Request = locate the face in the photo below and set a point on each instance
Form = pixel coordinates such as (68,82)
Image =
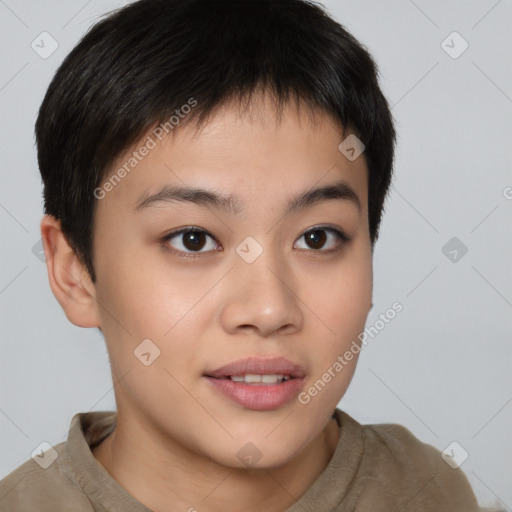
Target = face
(246,301)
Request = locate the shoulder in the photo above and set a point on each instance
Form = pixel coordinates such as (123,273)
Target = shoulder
(43,486)
(396,442)
(397,471)
(415,472)
(397,445)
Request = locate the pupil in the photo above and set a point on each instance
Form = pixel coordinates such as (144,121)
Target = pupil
(317,237)
(193,240)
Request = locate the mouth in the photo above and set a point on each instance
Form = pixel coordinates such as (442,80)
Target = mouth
(258,384)
(259,380)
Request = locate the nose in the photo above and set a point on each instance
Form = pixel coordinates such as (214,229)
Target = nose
(262,296)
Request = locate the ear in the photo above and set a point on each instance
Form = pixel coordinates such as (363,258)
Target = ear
(69,280)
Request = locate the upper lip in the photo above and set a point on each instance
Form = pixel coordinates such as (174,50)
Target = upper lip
(258,366)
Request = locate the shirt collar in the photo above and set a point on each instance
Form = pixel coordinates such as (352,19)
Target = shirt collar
(88,430)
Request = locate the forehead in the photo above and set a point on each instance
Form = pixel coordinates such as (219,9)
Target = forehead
(250,156)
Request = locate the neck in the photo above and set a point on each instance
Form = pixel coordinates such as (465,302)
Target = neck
(186,480)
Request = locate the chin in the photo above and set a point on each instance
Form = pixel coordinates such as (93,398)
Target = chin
(259,452)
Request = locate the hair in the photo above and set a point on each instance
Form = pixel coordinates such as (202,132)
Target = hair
(137,65)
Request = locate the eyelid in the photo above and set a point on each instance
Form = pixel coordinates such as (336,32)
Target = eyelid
(165,239)
(329,227)
(186,229)
(343,238)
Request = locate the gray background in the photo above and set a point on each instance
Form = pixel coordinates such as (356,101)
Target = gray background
(442,366)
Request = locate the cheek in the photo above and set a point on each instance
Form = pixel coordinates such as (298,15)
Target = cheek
(354,299)
(342,299)
(343,310)
(148,298)
(149,294)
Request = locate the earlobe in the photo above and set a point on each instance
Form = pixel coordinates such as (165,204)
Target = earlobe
(69,280)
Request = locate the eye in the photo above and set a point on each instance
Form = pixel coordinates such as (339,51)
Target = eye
(190,240)
(319,236)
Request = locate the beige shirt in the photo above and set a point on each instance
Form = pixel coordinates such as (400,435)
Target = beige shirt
(375,468)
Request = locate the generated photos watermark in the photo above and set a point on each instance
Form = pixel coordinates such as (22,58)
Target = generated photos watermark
(343,360)
(151,142)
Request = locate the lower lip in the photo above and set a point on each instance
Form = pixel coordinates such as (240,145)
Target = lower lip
(258,397)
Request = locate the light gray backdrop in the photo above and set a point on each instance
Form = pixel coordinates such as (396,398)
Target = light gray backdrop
(441,367)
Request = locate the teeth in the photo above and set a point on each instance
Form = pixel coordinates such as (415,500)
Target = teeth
(259,379)
(253,379)
(271,379)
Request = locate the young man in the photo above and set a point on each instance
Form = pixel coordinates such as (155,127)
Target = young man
(214,178)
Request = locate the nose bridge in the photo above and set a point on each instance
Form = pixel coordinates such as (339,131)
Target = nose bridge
(266,277)
(263,295)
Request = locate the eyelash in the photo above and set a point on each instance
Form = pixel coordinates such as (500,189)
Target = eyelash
(342,239)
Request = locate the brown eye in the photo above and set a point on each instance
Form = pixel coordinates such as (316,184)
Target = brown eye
(317,238)
(194,240)
(190,240)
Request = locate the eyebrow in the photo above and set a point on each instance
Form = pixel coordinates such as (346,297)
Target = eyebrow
(233,205)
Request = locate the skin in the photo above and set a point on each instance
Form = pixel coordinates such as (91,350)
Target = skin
(177,438)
